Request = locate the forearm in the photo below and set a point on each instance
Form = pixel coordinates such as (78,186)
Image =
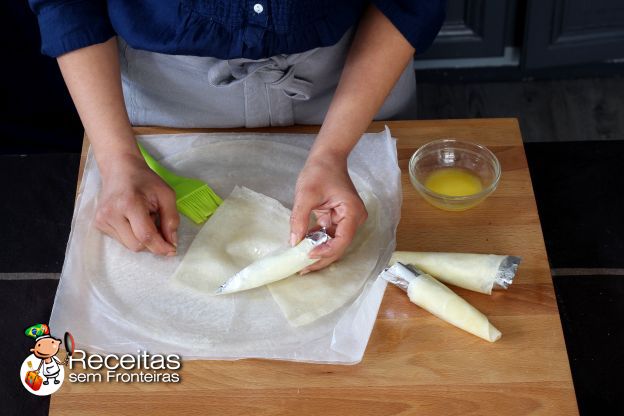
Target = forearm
(377,58)
(93,78)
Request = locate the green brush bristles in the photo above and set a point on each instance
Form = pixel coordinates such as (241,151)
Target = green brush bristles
(200,204)
(194,198)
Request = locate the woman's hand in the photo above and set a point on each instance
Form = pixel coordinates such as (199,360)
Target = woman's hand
(325,189)
(137,208)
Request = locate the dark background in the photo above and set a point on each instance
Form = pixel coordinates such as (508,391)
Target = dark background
(37,115)
(556,65)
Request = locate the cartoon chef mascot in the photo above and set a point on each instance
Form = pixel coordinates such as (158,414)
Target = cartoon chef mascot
(46,347)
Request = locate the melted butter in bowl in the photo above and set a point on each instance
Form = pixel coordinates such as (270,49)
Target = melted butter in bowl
(454,175)
(453,182)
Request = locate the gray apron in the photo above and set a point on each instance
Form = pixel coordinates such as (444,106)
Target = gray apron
(190,91)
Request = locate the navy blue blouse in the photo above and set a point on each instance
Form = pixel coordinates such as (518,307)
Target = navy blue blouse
(224,29)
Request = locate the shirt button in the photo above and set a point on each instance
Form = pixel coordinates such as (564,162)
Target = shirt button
(258,8)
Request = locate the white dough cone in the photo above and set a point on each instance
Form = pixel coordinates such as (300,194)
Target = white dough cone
(433,296)
(476,272)
(273,267)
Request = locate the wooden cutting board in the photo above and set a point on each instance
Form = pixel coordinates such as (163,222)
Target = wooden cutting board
(414,363)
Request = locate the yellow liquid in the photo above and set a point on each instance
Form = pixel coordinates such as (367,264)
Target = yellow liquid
(453,182)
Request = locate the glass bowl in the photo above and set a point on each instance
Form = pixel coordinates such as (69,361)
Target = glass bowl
(451,153)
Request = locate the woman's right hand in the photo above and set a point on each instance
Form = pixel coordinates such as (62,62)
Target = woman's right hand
(136,207)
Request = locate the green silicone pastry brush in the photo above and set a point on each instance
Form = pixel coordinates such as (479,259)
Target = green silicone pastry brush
(194,198)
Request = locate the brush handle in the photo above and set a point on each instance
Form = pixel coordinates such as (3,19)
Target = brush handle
(169,177)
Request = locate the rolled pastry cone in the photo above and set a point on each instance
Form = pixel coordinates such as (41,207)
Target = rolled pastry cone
(275,267)
(433,296)
(477,272)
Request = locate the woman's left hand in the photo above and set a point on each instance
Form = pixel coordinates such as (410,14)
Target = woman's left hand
(325,189)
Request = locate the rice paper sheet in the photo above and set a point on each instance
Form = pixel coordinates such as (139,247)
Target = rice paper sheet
(114,300)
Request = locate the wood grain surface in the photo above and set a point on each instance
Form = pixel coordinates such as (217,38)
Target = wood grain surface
(414,363)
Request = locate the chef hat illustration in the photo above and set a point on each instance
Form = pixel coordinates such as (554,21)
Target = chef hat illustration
(38,331)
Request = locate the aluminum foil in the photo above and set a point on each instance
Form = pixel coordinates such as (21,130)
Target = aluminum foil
(400,274)
(506,272)
(318,237)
